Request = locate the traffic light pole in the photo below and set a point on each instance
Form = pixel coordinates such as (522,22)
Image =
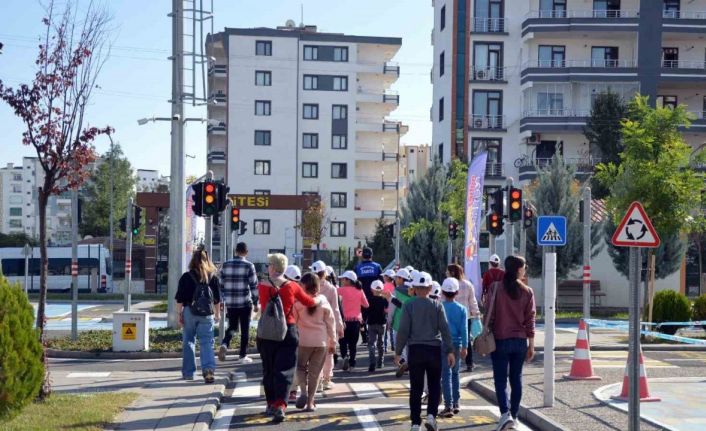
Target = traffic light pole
(523,235)
(208,239)
(225,256)
(450,251)
(509,234)
(128,258)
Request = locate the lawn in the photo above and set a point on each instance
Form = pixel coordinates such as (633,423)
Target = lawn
(159,308)
(66,296)
(71,412)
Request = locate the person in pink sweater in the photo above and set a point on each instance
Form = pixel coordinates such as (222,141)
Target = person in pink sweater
(317,337)
(331,294)
(353,300)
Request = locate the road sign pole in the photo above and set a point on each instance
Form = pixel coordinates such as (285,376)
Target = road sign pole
(450,251)
(127,302)
(634,342)
(587,253)
(523,237)
(549,329)
(509,234)
(74,264)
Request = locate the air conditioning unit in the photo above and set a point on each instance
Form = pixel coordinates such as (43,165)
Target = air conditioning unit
(533,139)
(478,123)
(480,74)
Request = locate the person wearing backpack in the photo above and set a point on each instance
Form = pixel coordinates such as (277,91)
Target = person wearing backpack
(198,300)
(277,335)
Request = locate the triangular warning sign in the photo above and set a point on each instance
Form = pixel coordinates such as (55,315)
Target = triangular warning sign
(552,234)
(636,230)
(128,331)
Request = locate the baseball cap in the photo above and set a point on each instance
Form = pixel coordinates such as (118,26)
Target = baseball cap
(404,274)
(329,270)
(349,275)
(450,285)
(494,259)
(409,268)
(367,253)
(389,273)
(318,266)
(421,279)
(377,285)
(293,273)
(435,289)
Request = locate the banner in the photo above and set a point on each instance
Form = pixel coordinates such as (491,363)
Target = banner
(474,218)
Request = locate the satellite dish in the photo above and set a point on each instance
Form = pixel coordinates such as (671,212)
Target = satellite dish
(290,23)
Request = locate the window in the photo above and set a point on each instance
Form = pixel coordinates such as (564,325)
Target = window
(310,140)
(487,61)
(604,56)
(17,177)
(339,142)
(340,53)
(310,170)
(487,109)
(340,112)
(606,8)
(488,16)
(552,8)
(671,8)
(263,78)
(262,167)
(552,56)
(667,102)
(670,57)
(311,82)
(338,228)
(15,223)
(340,83)
(339,200)
(339,170)
(16,188)
(263,137)
(263,107)
(263,47)
(261,192)
(262,227)
(311,111)
(441,64)
(494,148)
(550,104)
(441,109)
(442,24)
(15,212)
(311,53)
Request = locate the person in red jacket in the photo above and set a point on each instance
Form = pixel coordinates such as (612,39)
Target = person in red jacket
(493,274)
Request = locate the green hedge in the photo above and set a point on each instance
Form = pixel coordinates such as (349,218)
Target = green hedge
(670,306)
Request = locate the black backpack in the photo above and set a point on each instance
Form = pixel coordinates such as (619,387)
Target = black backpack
(202,304)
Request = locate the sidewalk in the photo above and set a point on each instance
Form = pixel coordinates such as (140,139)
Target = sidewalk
(166,402)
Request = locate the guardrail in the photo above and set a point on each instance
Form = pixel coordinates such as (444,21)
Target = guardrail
(683,64)
(487,122)
(677,14)
(583,14)
(602,63)
(488,25)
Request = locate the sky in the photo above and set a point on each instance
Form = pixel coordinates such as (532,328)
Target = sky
(136,80)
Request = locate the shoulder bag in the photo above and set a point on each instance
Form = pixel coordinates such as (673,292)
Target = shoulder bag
(484,344)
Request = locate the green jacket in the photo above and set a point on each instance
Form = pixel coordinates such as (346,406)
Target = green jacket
(403,297)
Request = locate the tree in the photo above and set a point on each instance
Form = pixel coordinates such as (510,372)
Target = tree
(96,208)
(556,192)
(16,240)
(424,226)
(314,223)
(382,242)
(53,110)
(604,133)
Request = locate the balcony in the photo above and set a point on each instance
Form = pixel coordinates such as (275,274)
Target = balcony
(218,130)
(487,122)
(528,167)
(218,70)
(218,99)
(495,74)
(682,15)
(553,119)
(488,25)
(698,121)
(376,182)
(559,21)
(604,70)
(683,70)
(387,97)
(495,170)
(683,22)
(365,124)
(391,68)
(216,157)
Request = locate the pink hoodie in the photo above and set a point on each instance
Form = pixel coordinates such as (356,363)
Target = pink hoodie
(352,300)
(317,329)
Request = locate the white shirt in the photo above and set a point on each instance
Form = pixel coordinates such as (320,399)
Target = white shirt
(467,297)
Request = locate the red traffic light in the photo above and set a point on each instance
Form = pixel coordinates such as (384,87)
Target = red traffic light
(515,194)
(210,188)
(235,215)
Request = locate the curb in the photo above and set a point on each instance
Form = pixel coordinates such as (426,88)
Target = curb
(208,413)
(532,417)
(645,348)
(73,354)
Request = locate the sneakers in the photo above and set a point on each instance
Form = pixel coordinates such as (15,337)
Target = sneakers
(246,360)
(292,396)
(505,422)
(446,413)
(208,377)
(401,370)
(222,353)
(414,428)
(469,368)
(301,401)
(430,424)
(346,364)
(327,385)
(456,409)
(189,378)
(279,415)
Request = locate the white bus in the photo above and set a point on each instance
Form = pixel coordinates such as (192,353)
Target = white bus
(94,271)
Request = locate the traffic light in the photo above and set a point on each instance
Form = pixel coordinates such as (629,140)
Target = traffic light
(390,228)
(123,224)
(453,230)
(515,203)
(136,219)
(243,228)
(234,219)
(222,196)
(495,224)
(197,207)
(529,215)
(210,198)
(497,206)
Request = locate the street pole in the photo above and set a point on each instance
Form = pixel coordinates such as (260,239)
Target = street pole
(225,256)
(127,300)
(398,228)
(509,231)
(74,264)
(27,252)
(523,236)
(112,194)
(587,253)
(492,244)
(176,180)
(450,251)
(208,237)
(634,342)
(549,330)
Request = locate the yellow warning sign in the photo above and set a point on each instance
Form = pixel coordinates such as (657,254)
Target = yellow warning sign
(129,331)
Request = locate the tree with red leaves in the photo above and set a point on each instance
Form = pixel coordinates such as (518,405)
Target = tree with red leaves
(53,106)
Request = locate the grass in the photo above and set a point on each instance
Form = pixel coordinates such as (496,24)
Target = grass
(579,315)
(159,308)
(161,340)
(60,296)
(71,411)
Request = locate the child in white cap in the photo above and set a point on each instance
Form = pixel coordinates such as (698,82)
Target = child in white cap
(331,294)
(353,300)
(388,278)
(377,320)
(457,317)
(400,297)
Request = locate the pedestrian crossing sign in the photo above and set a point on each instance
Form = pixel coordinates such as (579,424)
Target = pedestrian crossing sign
(551,231)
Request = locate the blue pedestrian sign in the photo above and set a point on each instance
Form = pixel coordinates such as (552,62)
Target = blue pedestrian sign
(551,230)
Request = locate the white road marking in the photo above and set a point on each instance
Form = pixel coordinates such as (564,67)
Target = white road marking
(245,389)
(366,390)
(87,375)
(224,416)
(367,420)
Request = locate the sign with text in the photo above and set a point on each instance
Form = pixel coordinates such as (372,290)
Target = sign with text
(273,202)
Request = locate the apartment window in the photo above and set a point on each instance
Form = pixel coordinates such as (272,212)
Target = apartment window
(310,140)
(441,109)
(604,56)
(494,149)
(487,61)
(263,47)
(550,104)
(606,8)
(487,109)
(340,83)
(262,227)
(263,78)
(18,223)
(340,53)
(670,57)
(339,170)
(338,228)
(311,82)
(552,8)
(15,212)
(672,8)
(310,170)
(263,137)
(339,142)
(442,23)
(340,112)
(488,16)
(263,107)
(311,111)
(552,56)
(667,102)
(16,188)
(311,53)
(440,156)
(262,167)
(441,64)
(17,177)
(339,200)
(261,192)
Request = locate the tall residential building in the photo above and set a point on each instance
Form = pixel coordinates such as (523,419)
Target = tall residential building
(300,111)
(149,180)
(415,161)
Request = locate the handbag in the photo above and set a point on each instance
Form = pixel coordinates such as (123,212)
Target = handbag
(476,327)
(273,323)
(484,344)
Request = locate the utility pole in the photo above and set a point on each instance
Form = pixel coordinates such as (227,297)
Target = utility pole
(74,264)
(450,251)
(587,253)
(509,234)
(176,180)
(112,194)
(127,300)
(398,228)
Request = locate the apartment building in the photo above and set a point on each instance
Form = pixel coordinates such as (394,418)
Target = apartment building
(414,161)
(299,111)
(149,180)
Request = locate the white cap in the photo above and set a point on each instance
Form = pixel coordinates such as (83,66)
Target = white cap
(377,285)
(349,275)
(450,285)
(494,259)
(293,273)
(421,279)
(318,266)
(409,268)
(413,273)
(329,270)
(389,273)
(435,289)
(404,274)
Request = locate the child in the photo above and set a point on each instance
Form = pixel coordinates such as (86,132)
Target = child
(456,316)
(353,299)
(401,297)
(424,328)
(331,293)
(388,278)
(377,319)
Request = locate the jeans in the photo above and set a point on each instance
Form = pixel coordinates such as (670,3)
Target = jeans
(424,361)
(350,341)
(376,334)
(509,353)
(450,379)
(469,357)
(309,365)
(202,327)
(239,316)
(279,360)
(391,335)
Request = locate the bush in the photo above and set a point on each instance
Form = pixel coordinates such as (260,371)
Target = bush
(700,308)
(670,306)
(21,366)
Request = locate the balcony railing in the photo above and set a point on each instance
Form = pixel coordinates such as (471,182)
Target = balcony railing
(488,73)
(391,97)
(559,64)
(487,122)
(560,14)
(391,67)
(581,164)
(676,14)
(218,69)
(217,129)
(391,126)
(219,97)
(556,112)
(488,25)
(698,115)
(683,64)
(494,169)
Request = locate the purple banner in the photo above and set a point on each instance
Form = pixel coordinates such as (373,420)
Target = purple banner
(474,218)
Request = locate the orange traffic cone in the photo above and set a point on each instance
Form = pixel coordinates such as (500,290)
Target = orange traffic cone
(644,390)
(581,368)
